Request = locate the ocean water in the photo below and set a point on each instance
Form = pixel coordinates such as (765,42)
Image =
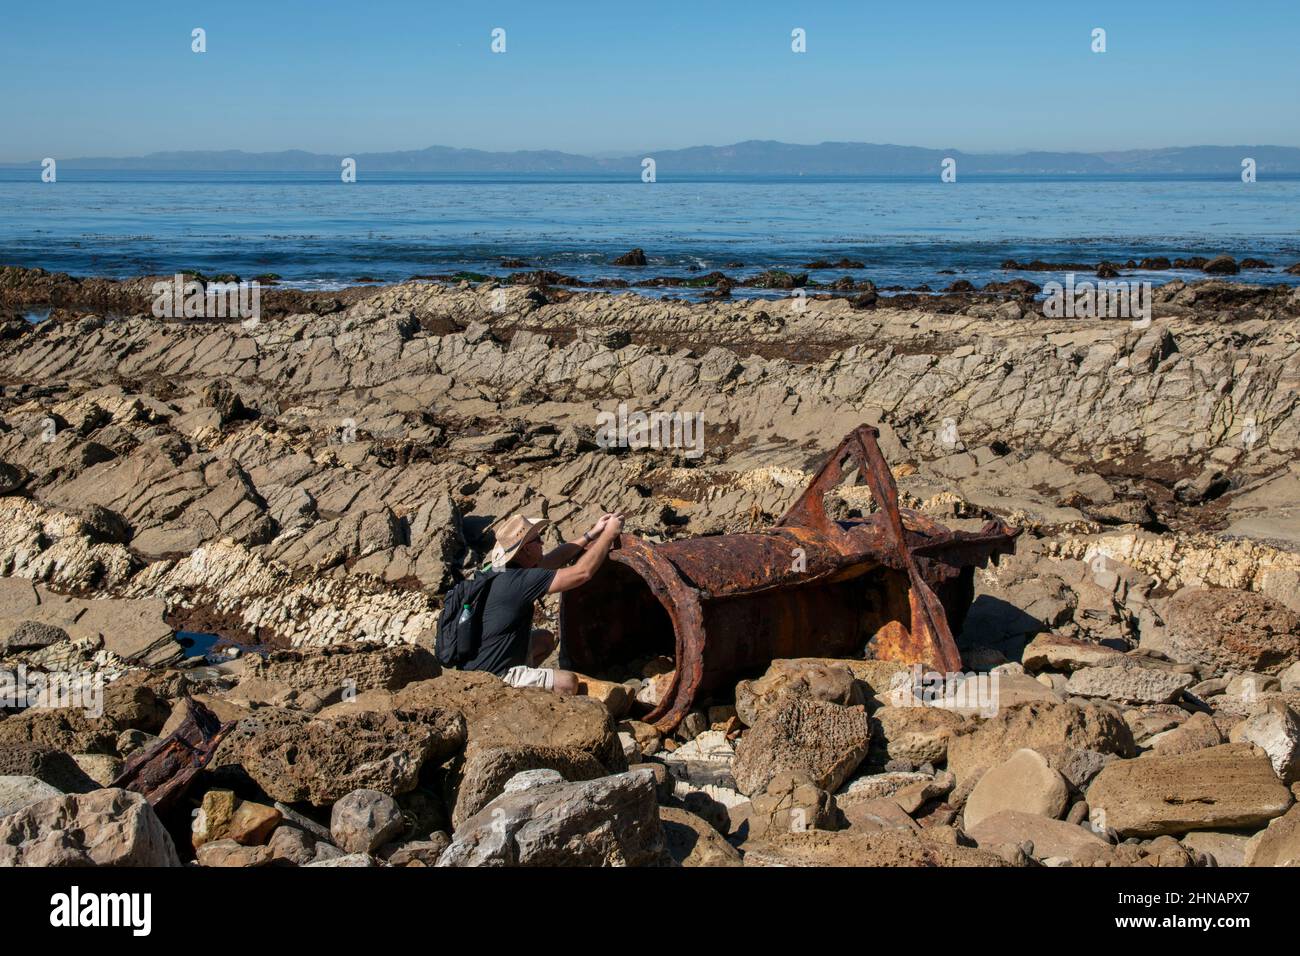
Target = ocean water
(317,232)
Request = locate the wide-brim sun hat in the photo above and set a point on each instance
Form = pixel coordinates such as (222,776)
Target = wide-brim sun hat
(511,535)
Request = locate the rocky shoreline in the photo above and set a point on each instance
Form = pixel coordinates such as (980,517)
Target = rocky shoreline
(311,483)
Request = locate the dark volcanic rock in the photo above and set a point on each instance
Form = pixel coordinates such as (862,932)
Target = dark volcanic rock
(634,258)
(1221,266)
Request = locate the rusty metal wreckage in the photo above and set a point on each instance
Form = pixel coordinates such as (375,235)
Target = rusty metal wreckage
(889,586)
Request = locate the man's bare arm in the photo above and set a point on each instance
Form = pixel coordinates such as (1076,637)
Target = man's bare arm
(558,557)
(566,579)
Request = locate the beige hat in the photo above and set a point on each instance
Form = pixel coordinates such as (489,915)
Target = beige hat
(511,535)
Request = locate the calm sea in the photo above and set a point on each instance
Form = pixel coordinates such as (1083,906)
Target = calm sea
(317,232)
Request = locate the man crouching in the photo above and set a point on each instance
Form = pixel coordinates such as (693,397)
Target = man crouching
(522,572)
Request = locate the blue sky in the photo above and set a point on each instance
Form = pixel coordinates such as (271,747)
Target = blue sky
(118,78)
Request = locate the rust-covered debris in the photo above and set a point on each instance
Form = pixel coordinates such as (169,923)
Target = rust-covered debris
(890,586)
(163,772)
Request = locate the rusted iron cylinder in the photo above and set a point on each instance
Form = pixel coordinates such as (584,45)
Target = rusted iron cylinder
(725,606)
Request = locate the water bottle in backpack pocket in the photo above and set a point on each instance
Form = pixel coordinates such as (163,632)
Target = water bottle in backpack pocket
(460,625)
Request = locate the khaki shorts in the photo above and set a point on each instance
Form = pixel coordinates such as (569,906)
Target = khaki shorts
(521,676)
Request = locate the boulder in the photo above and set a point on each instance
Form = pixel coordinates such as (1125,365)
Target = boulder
(498,715)
(1196,733)
(1278,844)
(291,846)
(1051,838)
(223,816)
(416,852)
(345,860)
(1221,266)
(915,734)
(1128,681)
(364,820)
(330,671)
(825,741)
(109,827)
(1037,726)
(1050,651)
(31,636)
(610,821)
(791,802)
(1226,630)
(691,841)
(1226,787)
(55,767)
(823,680)
(486,770)
(615,697)
(294,759)
(875,786)
(1228,849)
(633,258)
(1289,679)
(101,768)
(19,792)
(884,848)
(1078,767)
(1276,731)
(1024,783)
(233,854)
(65,729)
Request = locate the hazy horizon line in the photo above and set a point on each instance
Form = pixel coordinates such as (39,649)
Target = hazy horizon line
(610,155)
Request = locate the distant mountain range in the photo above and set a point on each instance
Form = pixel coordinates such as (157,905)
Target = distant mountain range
(753,157)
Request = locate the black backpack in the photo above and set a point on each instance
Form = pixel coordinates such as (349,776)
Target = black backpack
(460,625)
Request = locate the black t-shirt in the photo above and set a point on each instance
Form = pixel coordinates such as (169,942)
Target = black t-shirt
(508,618)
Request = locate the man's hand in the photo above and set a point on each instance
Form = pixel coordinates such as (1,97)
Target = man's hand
(599,526)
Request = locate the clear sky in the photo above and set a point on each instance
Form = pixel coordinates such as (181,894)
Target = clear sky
(101,78)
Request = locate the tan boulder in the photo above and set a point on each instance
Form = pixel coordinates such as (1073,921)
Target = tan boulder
(825,741)
(229,853)
(1051,838)
(825,680)
(1278,844)
(693,842)
(1228,849)
(883,848)
(1276,731)
(498,715)
(109,827)
(1037,726)
(1226,787)
(1127,680)
(615,697)
(1049,651)
(293,758)
(1227,630)
(1023,783)
(1196,733)
(915,734)
(223,816)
